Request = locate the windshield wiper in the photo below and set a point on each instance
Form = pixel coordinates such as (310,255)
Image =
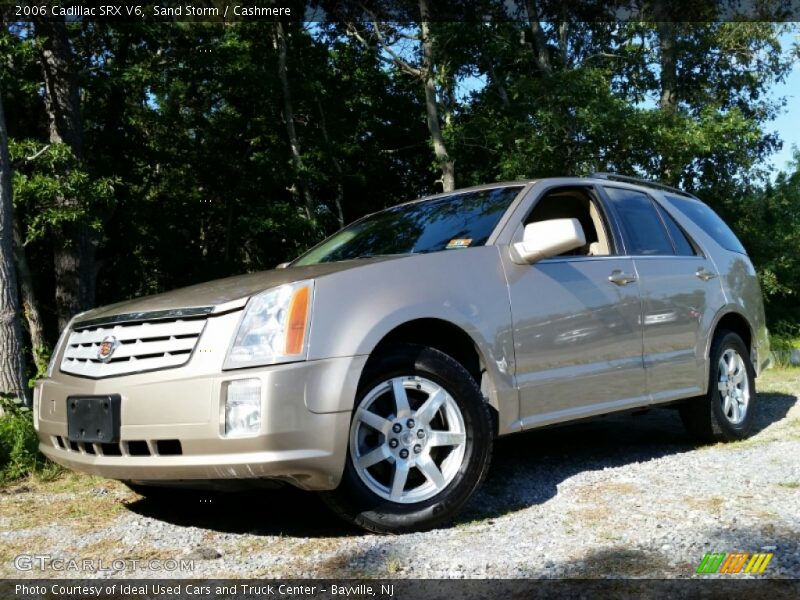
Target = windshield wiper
(363,256)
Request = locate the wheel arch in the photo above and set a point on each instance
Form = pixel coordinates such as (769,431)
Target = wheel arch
(446,337)
(728,319)
(731,320)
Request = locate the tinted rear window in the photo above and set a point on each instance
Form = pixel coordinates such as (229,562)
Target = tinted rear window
(708,221)
(683,247)
(644,231)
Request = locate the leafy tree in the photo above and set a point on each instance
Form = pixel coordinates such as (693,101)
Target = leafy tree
(768,221)
(196,151)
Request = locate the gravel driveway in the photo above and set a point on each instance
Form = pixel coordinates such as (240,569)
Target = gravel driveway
(621,496)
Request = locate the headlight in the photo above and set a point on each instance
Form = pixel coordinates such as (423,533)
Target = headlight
(273,327)
(57,348)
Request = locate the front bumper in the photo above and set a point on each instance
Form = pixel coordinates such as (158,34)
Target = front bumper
(172,425)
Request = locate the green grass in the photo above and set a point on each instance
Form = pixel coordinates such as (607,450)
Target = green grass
(19,446)
(779,380)
(81,502)
(392,565)
(782,346)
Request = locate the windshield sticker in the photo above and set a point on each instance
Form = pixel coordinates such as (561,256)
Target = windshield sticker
(458,244)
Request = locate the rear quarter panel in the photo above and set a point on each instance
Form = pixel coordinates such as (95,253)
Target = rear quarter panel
(743,293)
(740,287)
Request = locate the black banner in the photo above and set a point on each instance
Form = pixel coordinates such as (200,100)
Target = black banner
(204,11)
(400,589)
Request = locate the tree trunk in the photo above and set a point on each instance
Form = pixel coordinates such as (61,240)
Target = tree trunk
(336,165)
(669,75)
(30,307)
(669,82)
(299,188)
(425,74)
(12,366)
(443,159)
(563,39)
(541,51)
(496,79)
(74,252)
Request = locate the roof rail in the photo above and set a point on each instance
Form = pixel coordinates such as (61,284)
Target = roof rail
(645,182)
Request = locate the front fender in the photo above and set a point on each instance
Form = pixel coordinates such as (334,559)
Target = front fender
(355,309)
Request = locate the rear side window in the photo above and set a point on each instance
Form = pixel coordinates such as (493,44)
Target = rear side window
(643,229)
(683,247)
(708,221)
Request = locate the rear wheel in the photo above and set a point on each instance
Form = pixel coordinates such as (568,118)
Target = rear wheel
(727,411)
(420,443)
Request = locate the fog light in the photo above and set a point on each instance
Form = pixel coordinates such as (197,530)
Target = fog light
(243,407)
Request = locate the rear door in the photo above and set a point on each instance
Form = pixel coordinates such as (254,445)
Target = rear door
(679,288)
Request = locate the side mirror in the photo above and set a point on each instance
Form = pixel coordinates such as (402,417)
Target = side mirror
(548,238)
(283,265)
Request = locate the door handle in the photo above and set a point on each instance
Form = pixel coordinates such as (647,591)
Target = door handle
(620,278)
(705,275)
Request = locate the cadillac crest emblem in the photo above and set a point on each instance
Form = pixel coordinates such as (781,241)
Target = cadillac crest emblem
(107,347)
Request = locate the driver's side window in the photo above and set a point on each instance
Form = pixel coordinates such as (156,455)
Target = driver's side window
(575,203)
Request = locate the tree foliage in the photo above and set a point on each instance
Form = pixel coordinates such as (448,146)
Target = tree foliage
(768,220)
(187,171)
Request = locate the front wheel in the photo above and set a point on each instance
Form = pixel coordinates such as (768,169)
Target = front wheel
(727,411)
(420,443)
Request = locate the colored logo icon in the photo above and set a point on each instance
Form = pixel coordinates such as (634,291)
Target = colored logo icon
(736,562)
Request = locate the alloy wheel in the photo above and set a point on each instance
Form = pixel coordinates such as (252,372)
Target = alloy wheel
(733,386)
(407,439)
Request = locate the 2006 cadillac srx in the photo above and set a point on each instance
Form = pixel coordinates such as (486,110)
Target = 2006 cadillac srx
(379,366)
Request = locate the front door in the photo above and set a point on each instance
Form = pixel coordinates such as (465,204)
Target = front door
(576,320)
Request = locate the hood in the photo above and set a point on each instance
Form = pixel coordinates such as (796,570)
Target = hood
(221,294)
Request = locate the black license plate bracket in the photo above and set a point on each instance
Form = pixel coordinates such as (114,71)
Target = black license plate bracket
(94,419)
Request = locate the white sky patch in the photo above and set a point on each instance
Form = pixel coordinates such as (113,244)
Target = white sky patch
(465,86)
(786,124)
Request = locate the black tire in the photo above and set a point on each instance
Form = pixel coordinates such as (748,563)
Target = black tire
(356,502)
(704,417)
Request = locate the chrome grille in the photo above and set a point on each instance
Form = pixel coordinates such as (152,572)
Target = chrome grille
(142,346)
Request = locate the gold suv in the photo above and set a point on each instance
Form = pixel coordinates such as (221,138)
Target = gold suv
(379,366)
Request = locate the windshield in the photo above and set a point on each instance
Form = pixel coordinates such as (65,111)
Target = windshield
(452,222)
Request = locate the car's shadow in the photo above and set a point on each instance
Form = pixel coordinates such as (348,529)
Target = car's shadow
(526,470)
(286,511)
